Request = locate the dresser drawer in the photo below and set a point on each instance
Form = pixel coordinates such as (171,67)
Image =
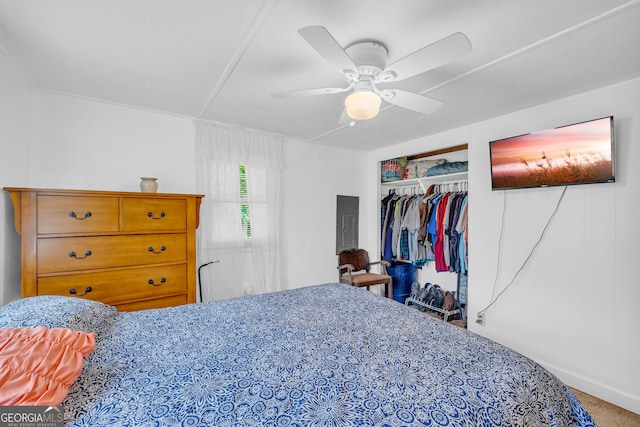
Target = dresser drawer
(141,214)
(119,285)
(62,254)
(76,214)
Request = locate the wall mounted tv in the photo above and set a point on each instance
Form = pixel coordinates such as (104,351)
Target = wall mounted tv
(581,153)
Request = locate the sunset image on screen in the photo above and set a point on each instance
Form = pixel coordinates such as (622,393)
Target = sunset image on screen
(572,154)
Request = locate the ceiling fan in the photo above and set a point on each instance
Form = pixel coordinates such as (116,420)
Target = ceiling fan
(364,65)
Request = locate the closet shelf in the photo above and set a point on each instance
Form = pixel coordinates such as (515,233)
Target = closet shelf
(458,176)
(427,181)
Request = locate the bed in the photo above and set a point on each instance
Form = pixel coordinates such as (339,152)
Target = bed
(325,355)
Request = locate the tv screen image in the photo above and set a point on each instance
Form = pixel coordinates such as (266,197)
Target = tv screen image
(581,153)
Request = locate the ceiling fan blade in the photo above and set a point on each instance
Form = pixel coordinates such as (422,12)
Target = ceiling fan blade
(344,119)
(324,43)
(410,100)
(309,92)
(429,57)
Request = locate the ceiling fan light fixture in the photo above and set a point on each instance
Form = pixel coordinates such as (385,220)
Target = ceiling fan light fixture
(362,105)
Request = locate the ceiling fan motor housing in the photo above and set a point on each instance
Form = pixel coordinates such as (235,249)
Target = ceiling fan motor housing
(369,56)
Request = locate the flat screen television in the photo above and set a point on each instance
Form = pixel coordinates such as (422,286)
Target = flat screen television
(581,153)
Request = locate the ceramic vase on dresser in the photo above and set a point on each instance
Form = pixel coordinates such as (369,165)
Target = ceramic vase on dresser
(148,184)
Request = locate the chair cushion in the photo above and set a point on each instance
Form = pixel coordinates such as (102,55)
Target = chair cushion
(368,279)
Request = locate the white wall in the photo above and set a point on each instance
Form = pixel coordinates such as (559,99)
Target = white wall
(91,145)
(574,307)
(88,144)
(314,175)
(15,143)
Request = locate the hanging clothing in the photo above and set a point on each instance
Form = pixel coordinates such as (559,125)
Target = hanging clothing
(387,229)
(439,247)
(396,226)
(429,227)
(461,229)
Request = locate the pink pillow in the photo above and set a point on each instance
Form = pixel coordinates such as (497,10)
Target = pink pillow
(38,365)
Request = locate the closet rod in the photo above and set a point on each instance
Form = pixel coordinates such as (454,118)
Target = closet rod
(452,186)
(443,187)
(408,190)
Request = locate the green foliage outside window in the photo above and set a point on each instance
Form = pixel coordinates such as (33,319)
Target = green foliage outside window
(244,205)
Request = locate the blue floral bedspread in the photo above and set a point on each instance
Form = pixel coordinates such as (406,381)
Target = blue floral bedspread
(326,355)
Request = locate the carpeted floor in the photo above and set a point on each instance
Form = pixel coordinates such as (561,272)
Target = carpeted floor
(606,414)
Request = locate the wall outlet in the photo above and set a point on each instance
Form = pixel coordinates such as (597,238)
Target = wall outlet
(480,319)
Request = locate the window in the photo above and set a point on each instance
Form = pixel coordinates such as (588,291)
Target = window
(239,173)
(244,206)
(239,201)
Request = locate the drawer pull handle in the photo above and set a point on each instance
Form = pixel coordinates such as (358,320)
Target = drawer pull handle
(74,215)
(152,283)
(73,254)
(162,249)
(73,291)
(150,215)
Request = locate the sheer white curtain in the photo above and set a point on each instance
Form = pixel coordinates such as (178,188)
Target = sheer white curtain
(238,171)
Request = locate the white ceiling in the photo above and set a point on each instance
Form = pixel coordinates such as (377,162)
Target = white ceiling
(221,60)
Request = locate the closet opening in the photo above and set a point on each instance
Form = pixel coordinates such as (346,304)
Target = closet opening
(423,223)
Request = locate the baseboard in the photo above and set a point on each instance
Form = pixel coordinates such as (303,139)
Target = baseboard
(599,390)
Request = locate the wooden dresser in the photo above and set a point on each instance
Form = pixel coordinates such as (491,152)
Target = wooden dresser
(132,250)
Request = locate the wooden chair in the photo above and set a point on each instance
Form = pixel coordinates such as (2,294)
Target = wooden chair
(353,269)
